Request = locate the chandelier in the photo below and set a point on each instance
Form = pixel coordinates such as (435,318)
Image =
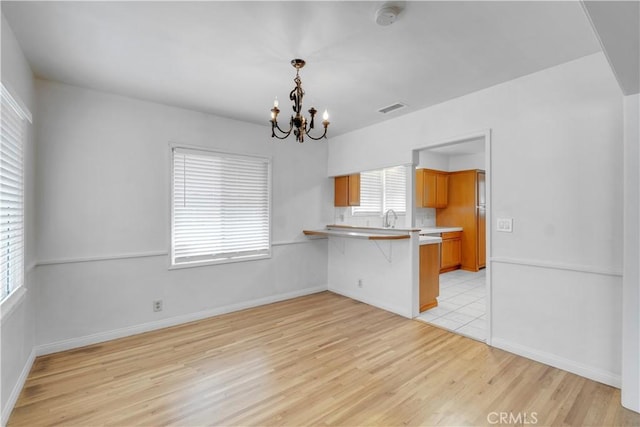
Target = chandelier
(298,123)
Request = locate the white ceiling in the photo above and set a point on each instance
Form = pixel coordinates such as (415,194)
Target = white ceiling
(232,58)
(617,24)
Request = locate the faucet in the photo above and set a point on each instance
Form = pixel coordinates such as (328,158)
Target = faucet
(386,223)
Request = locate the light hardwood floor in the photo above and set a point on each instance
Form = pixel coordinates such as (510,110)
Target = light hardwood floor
(316,360)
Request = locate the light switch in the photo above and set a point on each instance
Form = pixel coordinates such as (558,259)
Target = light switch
(505,225)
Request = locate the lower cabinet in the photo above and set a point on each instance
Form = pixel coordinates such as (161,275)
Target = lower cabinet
(429,276)
(451,253)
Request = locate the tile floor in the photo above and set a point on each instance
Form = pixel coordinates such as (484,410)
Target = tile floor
(461,304)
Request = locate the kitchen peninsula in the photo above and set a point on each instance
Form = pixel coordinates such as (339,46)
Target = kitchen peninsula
(338,231)
(451,247)
(382,267)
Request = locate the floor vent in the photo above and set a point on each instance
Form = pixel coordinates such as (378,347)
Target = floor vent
(392,107)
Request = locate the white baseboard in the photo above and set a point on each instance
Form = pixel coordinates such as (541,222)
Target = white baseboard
(17,388)
(164,323)
(401,311)
(593,373)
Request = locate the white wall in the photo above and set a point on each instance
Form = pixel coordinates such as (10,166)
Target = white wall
(431,160)
(103,194)
(466,162)
(388,270)
(631,281)
(450,163)
(17,327)
(557,170)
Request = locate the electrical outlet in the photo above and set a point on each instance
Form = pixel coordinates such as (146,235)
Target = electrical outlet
(505,225)
(359,283)
(157,305)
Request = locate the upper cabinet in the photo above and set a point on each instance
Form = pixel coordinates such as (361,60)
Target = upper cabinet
(347,190)
(431,188)
(482,191)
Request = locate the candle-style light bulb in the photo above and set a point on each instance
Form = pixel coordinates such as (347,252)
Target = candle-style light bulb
(325,115)
(275,102)
(273,115)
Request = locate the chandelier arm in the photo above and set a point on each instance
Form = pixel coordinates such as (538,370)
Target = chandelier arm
(288,132)
(324,135)
(284,135)
(275,126)
(274,135)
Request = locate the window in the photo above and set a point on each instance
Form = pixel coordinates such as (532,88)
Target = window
(12,132)
(370,193)
(381,190)
(220,207)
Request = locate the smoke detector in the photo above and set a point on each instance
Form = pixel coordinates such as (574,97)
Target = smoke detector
(387,15)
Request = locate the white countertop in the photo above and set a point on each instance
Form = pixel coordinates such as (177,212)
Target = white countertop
(429,240)
(436,230)
(356,235)
(357,227)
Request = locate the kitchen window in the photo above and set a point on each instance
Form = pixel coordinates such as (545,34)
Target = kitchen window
(12,131)
(221,207)
(381,190)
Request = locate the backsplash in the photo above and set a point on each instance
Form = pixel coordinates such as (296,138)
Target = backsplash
(344,216)
(425,217)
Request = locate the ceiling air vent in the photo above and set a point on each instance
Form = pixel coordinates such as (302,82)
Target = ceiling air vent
(392,107)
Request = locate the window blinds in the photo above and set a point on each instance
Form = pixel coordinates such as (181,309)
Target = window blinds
(395,189)
(370,193)
(11,195)
(221,206)
(381,190)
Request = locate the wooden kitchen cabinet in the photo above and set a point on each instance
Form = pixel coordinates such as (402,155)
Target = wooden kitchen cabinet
(429,276)
(451,251)
(347,190)
(466,209)
(482,220)
(442,189)
(431,188)
(481,188)
(482,238)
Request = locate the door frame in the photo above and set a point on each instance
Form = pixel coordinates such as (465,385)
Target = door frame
(486,135)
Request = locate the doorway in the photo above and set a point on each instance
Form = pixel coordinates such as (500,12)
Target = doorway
(464,285)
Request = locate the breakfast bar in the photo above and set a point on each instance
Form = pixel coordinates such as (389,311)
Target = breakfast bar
(395,269)
(356,234)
